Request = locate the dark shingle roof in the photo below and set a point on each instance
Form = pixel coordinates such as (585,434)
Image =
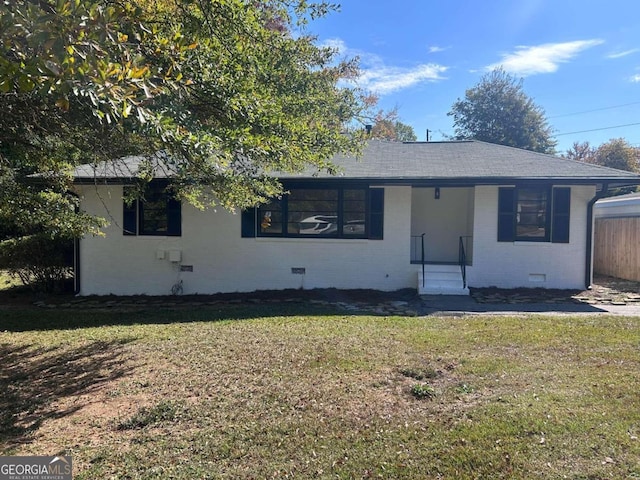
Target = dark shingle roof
(461,162)
(123,168)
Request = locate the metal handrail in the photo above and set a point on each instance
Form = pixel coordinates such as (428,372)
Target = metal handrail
(462,260)
(422,257)
(418,256)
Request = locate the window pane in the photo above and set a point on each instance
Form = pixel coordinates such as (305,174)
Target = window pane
(270,218)
(354,195)
(153,214)
(156,212)
(531,213)
(354,210)
(154,217)
(313,212)
(317,212)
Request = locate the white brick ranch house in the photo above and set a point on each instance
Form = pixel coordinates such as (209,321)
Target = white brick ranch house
(465,213)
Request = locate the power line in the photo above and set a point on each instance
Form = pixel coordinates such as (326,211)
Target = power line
(597,129)
(594,110)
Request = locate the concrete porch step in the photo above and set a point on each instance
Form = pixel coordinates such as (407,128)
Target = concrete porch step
(439,290)
(441,280)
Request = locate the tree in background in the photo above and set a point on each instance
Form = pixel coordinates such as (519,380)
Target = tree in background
(581,152)
(223,87)
(616,153)
(497,110)
(387,126)
(405,133)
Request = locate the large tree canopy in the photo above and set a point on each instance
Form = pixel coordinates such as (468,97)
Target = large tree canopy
(616,153)
(497,110)
(222,86)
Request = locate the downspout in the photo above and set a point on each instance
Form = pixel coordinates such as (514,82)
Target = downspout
(590,221)
(76,254)
(76,266)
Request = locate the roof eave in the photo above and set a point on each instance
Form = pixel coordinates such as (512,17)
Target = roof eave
(613,182)
(471,181)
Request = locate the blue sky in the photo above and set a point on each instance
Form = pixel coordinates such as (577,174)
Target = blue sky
(579,59)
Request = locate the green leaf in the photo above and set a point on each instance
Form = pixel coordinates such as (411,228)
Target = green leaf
(206,82)
(126,109)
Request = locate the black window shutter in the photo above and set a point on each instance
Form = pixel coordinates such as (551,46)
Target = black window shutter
(174,217)
(376,213)
(560,216)
(248,221)
(506,214)
(129,217)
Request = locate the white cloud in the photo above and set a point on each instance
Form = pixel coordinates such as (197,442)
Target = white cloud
(336,44)
(544,58)
(384,79)
(623,54)
(437,49)
(636,78)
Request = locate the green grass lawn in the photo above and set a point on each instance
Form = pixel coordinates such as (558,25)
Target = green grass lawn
(275,392)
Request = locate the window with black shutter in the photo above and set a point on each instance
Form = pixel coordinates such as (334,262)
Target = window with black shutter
(319,212)
(376,213)
(534,214)
(506,217)
(561,214)
(156,212)
(248,223)
(129,214)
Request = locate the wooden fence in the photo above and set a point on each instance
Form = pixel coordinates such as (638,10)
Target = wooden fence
(616,247)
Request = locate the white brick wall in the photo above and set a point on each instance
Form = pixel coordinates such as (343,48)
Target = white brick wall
(224,262)
(527,264)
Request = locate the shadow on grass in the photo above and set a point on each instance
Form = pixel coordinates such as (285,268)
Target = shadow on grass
(36,381)
(39,319)
(18,314)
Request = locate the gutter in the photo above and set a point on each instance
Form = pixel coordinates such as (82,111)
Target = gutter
(589,250)
(76,254)
(416,181)
(76,266)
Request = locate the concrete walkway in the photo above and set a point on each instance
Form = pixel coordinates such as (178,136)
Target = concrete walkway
(464,305)
(448,305)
